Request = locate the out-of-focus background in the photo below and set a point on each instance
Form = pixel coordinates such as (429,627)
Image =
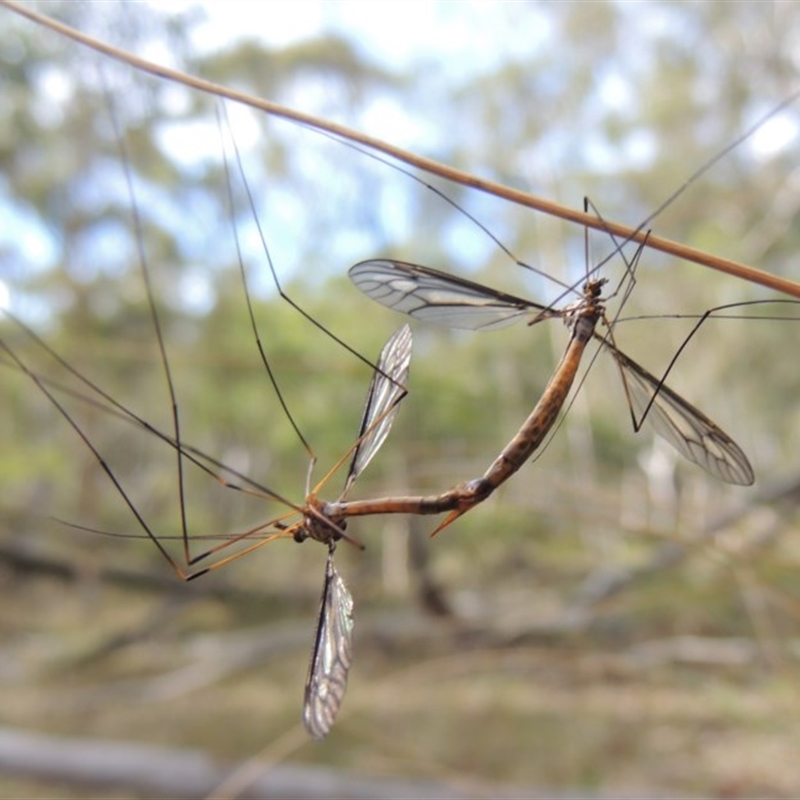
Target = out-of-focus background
(613,620)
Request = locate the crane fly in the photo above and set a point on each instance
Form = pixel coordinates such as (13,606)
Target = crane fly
(332,651)
(434,296)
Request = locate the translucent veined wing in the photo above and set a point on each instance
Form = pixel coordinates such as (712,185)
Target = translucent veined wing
(331,657)
(688,430)
(387,388)
(433,296)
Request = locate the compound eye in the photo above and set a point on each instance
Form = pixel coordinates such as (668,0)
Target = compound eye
(300,535)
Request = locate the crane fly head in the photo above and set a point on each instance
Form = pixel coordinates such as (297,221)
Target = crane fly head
(593,288)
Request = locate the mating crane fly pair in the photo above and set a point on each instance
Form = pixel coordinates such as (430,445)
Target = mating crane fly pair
(427,295)
(431,295)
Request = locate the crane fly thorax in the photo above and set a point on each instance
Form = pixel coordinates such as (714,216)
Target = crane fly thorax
(318,524)
(581,317)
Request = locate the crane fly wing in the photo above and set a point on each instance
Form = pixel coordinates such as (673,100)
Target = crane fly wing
(331,657)
(688,430)
(433,296)
(387,388)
